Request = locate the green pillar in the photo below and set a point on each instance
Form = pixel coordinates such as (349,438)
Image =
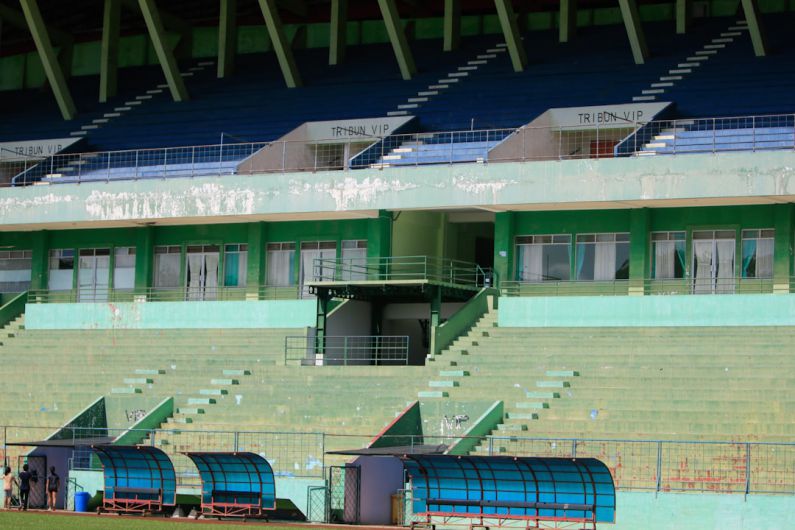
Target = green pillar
(567,25)
(504,235)
(452,25)
(397,36)
(40,260)
(637,39)
(144,257)
(782,247)
(338,34)
(227,37)
(255,275)
(165,55)
(510,30)
(109,52)
(379,235)
(640,226)
(320,329)
(682,16)
(284,53)
(755,27)
(52,68)
(435,293)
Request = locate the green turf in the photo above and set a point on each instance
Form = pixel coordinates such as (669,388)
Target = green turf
(48,521)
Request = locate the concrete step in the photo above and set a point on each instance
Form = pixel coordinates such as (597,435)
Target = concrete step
(236,372)
(552,384)
(521,416)
(190,410)
(541,395)
(432,394)
(453,373)
(443,384)
(125,390)
(138,381)
(143,371)
(224,382)
(201,401)
(532,405)
(561,373)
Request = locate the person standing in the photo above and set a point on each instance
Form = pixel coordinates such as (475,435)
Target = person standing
(53,484)
(8,484)
(24,487)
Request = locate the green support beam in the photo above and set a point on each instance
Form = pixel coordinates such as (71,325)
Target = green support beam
(227,37)
(782,250)
(504,234)
(639,269)
(682,16)
(338,36)
(452,24)
(511,31)
(109,52)
(637,39)
(567,25)
(144,257)
(755,27)
(281,46)
(40,260)
(52,68)
(397,37)
(183,48)
(165,54)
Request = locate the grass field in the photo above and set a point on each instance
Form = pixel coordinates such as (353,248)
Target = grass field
(15,520)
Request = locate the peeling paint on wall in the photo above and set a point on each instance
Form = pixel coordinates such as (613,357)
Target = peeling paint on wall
(349,192)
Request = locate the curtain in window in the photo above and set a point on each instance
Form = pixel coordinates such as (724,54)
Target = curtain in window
(195,266)
(166,270)
(531,263)
(764,258)
(281,264)
(703,273)
(749,252)
(605,262)
(725,276)
(210,276)
(664,259)
(231,269)
(581,249)
(355,264)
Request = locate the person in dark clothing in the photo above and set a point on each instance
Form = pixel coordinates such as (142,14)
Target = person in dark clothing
(53,484)
(24,487)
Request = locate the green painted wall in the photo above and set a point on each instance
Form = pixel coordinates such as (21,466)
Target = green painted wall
(406,429)
(173,315)
(690,511)
(419,233)
(648,311)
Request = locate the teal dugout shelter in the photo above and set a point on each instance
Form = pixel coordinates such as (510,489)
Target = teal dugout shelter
(138,479)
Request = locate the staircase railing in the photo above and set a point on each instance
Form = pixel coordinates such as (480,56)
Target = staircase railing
(13,308)
(462,320)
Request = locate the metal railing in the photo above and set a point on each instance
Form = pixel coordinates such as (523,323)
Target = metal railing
(402,268)
(347,350)
(153,294)
(610,137)
(648,286)
(737,467)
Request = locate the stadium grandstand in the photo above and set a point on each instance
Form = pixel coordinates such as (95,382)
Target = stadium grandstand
(510,263)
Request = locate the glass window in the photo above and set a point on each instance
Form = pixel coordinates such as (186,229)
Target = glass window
(543,258)
(62,265)
(603,257)
(167,260)
(668,255)
(758,253)
(281,264)
(354,260)
(124,268)
(317,261)
(15,270)
(235,265)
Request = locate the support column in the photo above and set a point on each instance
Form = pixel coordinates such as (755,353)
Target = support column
(379,235)
(452,25)
(255,274)
(567,24)
(637,39)
(398,38)
(52,68)
(682,16)
(165,54)
(109,53)
(755,27)
(782,247)
(338,35)
(504,235)
(511,31)
(40,259)
(227,37)
(435,319)
(144,258)
(320,329)
(640,226)
(284,52)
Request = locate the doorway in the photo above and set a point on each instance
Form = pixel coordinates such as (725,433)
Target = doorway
(713,261)
(93,274)
(201,279)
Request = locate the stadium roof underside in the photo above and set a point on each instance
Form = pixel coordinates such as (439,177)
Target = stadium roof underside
(134,469)
(235,481)
(539,489)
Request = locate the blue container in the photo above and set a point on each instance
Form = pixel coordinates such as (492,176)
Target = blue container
(81,501)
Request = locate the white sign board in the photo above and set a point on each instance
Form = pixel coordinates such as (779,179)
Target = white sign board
(33,149)
(605,116)
(361,130)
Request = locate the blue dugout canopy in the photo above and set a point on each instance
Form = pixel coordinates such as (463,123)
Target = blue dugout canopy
(140,473)
(235,480)
(544,489)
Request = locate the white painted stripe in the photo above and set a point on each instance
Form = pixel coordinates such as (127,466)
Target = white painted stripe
(186,74)
(502,45)
(487,56)
(403,150)
(467,68)
(731,33)
(714,46)
(653,91)
(716,41)
(112,114)
(428,93)
(132,102)
(661,85)
(688,65)
(476,62)
(742,22)
(445,81)
(162,85)
(737,28)
(664,137)
(643,98)
(78,133)
(396,113)
(458,74)
(437,87)
(654,145)
(495,50)
(706,52)
(408,106)
(121,109)
(391,157)
(155,91)
(145,96)
(417,100)
(646,153)
(89,127)
(680,71)
(196,68)
(698,58)
(671,78)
